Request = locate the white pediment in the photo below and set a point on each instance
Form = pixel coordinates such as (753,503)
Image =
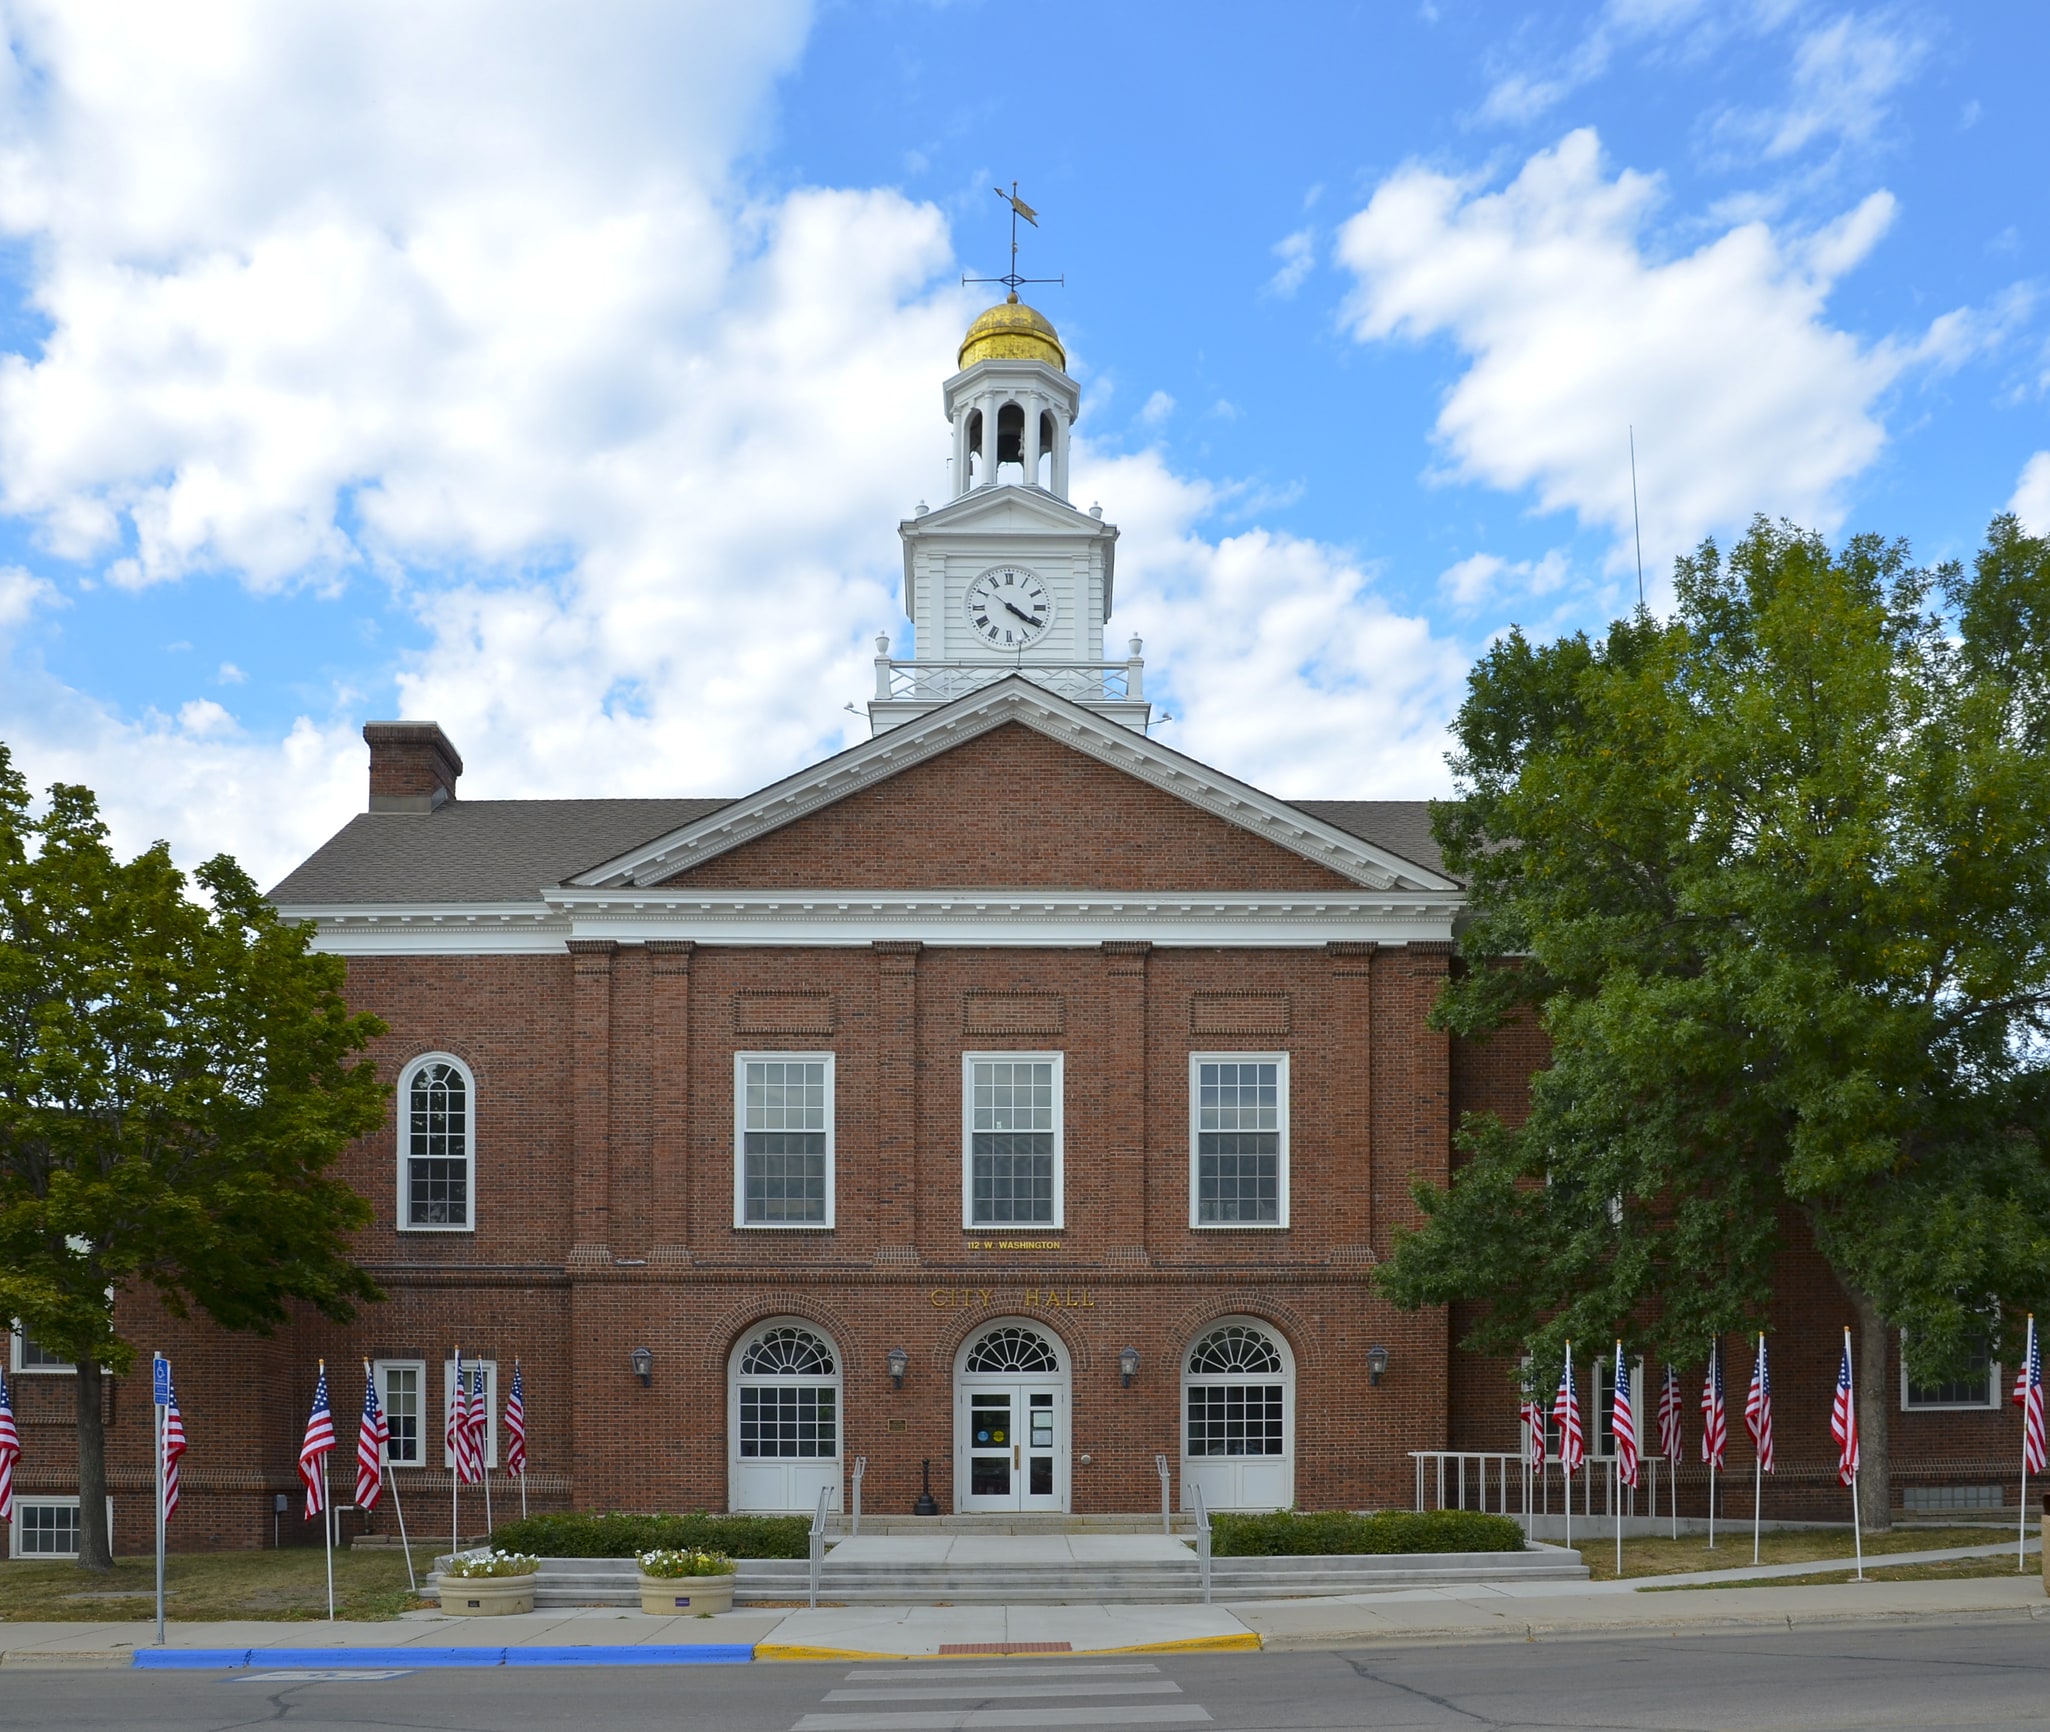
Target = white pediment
(1014,701)
(1007,509)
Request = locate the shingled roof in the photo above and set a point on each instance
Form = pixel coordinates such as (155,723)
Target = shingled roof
(501,851)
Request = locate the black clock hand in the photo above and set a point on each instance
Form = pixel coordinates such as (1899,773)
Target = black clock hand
(1022,614)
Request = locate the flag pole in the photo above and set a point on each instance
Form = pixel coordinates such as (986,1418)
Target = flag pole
(327,1526)
(2021,1535)
(523,1448)
(157,1429)
(457,1394)
(484,1454)
(392,1479)
(1857,1521)
(1565,1472)
(1757,1472)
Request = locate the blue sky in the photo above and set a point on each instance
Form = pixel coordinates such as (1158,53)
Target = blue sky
(562,375)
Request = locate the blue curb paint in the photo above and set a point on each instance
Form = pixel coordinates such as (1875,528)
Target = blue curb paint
(342,1659)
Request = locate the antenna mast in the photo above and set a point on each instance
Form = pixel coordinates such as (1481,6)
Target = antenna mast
(1636,528)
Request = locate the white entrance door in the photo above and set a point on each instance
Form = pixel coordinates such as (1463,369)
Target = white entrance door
(1011,1422)
(1017,1453)
(1238,1432)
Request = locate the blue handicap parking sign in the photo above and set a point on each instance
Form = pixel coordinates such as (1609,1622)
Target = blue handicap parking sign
(160,1383)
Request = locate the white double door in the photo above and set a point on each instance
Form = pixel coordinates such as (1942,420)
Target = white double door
(1011,1445)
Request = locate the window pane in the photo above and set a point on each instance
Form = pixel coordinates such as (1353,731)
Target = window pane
(1235,1419)
(38,1358)
(47,1529)
(784,1175)
(402,1412)
(438,1193)
(1238,1175)
(1974,1389)
(1011,1177)
(791,1421)
(1011,1095)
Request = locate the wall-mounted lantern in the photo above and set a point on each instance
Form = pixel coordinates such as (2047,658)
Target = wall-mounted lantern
(644,1365)
(1128,1365)
(900,1362)
(1377,1363)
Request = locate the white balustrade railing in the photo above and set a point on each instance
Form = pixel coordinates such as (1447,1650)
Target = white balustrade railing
(942,682)
(1483,1480)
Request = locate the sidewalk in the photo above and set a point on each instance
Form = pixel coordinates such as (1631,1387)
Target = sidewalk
(1502,1611)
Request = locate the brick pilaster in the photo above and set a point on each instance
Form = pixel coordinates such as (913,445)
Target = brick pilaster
(669,1223)
(1123,1157)
(896,1138)
(1348,1110)
(591,1092)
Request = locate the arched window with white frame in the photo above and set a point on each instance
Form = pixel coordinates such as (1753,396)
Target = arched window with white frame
(1238,1407)
(437,1145)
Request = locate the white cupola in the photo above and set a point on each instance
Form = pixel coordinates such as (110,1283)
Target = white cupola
(1008,577)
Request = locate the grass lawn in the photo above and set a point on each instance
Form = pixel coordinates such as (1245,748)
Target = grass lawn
(1955,1569)
(1662,1557)
(282,1585)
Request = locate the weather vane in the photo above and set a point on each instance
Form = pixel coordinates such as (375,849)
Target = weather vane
(1011,280)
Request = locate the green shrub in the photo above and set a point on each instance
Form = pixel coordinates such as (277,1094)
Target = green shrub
(1327,1533)
(621,1535)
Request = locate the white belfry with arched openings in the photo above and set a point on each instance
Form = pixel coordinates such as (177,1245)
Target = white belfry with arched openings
(1011,1420)
(1238,1417)
(783,1419)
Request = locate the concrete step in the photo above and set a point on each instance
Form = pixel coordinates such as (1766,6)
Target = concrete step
(1018,1523)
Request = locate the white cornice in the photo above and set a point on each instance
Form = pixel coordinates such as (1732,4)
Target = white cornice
(1010,918)
(1014,700)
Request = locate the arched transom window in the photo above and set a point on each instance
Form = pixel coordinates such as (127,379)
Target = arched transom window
(789,1396)
(1013,1349)
(437,1157)
(1236,1397)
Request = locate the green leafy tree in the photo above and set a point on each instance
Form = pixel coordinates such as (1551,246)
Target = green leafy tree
(175,1078)
(1774,878)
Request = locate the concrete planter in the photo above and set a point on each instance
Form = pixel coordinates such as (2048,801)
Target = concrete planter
(487,1596)
(685,1596)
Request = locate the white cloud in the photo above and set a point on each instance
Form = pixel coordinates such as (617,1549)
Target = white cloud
(230,675)
(1843,75)
(1744,397)
(1278,657)
(1298,254)
(336,300)
(1486,577)
(1156,409)
(2031,501)
(21,593)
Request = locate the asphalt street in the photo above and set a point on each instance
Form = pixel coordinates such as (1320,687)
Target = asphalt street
(1985,1676)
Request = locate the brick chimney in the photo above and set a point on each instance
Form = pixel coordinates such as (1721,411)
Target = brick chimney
(413,768)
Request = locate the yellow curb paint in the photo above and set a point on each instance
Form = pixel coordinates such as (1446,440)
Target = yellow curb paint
(1192,1645)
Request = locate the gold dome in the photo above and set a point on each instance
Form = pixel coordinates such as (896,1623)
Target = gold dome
(1012,331)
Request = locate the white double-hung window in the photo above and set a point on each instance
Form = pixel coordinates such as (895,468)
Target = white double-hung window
(401,1386)
(783,1139)
(1238,1139)
(1011,1129)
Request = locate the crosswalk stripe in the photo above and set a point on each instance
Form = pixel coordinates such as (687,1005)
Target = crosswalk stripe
(1033,1669)
(1010,1692)
(1003,1719)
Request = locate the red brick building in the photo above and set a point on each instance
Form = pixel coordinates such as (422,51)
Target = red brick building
(1007,1093)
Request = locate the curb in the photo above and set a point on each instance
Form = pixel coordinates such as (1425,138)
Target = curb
(420,1659)
(1310,1641)
(1242,1643)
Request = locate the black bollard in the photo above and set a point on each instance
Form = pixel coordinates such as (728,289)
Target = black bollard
(925,1504)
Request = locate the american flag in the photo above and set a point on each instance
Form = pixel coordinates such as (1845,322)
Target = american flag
(2028,1390)
(515,1427)
(10,1451)
(1843,1419)
(480,1424)
(1566,1410)
(371,1438)
(1534,1429)
(1758,1408)
(1623,1422)
(320,1438)
(1715,1418)
(456,1435)
(1669,1415)
(174,1444)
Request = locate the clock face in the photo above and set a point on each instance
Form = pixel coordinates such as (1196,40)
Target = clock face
(1009,608)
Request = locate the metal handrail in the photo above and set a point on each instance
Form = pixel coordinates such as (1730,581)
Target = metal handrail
(1166,1521)
(860,1468)
(1202,1540)
(818,1544)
